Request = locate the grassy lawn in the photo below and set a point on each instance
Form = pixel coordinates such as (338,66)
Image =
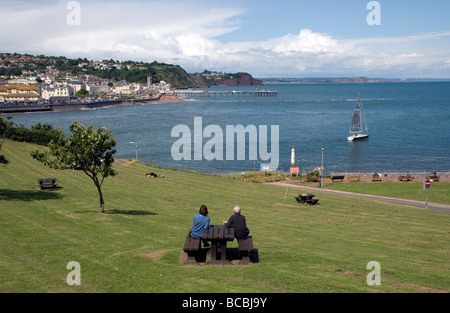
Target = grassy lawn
(135,245)
(439,192)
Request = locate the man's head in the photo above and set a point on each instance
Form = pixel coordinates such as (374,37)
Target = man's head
(237,209)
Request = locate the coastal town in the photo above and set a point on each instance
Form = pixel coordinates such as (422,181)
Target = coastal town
(33,86)
(46,83)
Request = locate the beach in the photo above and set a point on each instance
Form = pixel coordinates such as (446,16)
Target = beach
(163,98)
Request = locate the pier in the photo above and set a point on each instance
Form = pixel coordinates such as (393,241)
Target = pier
(231,93)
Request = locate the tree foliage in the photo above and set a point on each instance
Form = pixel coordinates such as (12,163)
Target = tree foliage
(40,134)
(3,159)
(89,149)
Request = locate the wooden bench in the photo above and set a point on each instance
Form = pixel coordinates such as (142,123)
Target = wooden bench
(405,178)
(433,177)
(377,177)
(338,177)
(354,178)
(191,247)
(245,248)
(47,183)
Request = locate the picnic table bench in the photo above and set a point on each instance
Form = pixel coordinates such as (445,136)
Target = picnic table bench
(354,178)
(47,183)
(377,177)
(433,177)
(245,248)
(219,236)
(337,177)
(405,178)
(192,248)
(306,198)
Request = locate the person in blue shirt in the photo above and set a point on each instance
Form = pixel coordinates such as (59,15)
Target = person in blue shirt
(200,223)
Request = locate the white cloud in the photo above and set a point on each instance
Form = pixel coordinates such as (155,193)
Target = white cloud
(181,33)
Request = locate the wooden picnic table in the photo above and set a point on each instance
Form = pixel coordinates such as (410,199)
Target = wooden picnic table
(405,178)
(218,235)
(306,198)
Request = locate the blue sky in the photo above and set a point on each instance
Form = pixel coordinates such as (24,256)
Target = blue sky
(284,38)
(343,19)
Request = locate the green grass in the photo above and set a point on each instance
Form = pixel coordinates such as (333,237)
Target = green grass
(439,192)
(135,246)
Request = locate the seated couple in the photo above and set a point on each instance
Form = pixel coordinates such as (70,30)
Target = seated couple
(236,221)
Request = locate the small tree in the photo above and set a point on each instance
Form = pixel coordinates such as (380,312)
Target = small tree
(313,176)
(87,148)
(3,127)
(3,159)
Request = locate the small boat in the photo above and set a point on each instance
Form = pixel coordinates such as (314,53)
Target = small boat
(356,132)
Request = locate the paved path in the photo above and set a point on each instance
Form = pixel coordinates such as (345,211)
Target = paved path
(414,203)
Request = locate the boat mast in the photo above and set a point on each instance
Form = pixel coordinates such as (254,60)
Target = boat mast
(365,122)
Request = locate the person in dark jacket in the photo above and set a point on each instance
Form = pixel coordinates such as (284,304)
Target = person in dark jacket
(237,221)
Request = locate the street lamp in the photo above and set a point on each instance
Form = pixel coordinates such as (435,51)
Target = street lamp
(136,149)
(321,171)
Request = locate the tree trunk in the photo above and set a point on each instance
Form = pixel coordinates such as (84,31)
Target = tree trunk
(102,203)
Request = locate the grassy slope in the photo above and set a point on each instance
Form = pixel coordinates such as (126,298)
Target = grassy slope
(439,192)
(136,245)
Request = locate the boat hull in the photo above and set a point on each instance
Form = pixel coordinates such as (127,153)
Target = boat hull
(357,137)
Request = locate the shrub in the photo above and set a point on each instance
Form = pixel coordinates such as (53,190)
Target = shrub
(313,176)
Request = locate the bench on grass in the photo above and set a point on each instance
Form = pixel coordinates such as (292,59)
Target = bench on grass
(245,248)
(377,177)
(306,198)
(405,178)
(434,177)
(337,177)
(47,183)
(354,178)
(191,247)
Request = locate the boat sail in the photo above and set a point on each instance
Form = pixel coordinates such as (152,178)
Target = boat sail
(356,131)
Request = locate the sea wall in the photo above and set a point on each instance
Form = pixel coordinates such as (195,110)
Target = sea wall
(74,107)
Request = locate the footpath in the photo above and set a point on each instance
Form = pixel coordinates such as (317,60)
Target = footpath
(399,201)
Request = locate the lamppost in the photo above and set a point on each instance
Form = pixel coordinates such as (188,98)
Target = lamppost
(321,171)
(136,149)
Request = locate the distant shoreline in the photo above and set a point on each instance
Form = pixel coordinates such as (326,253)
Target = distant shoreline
(350,80)
(89,106)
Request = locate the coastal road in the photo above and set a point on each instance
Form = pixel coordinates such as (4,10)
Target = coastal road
(399,201)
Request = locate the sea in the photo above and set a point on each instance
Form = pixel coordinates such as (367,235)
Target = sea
(408,123)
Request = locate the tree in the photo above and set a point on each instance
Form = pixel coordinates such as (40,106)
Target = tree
(3,159)
(90,149)
(3,127)
(82,93)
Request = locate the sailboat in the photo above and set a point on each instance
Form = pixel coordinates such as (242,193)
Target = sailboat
(356,132)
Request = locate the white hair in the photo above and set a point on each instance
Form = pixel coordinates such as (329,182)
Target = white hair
(237,209)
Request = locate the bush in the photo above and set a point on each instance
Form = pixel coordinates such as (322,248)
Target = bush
(40,134)
(313,176)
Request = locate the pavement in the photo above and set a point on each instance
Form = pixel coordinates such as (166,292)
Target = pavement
(399,201)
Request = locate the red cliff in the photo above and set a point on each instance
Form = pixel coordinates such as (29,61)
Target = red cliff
(244,80)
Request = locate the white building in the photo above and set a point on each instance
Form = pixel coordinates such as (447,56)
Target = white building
(55,92)
(75,86)
(97,89)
